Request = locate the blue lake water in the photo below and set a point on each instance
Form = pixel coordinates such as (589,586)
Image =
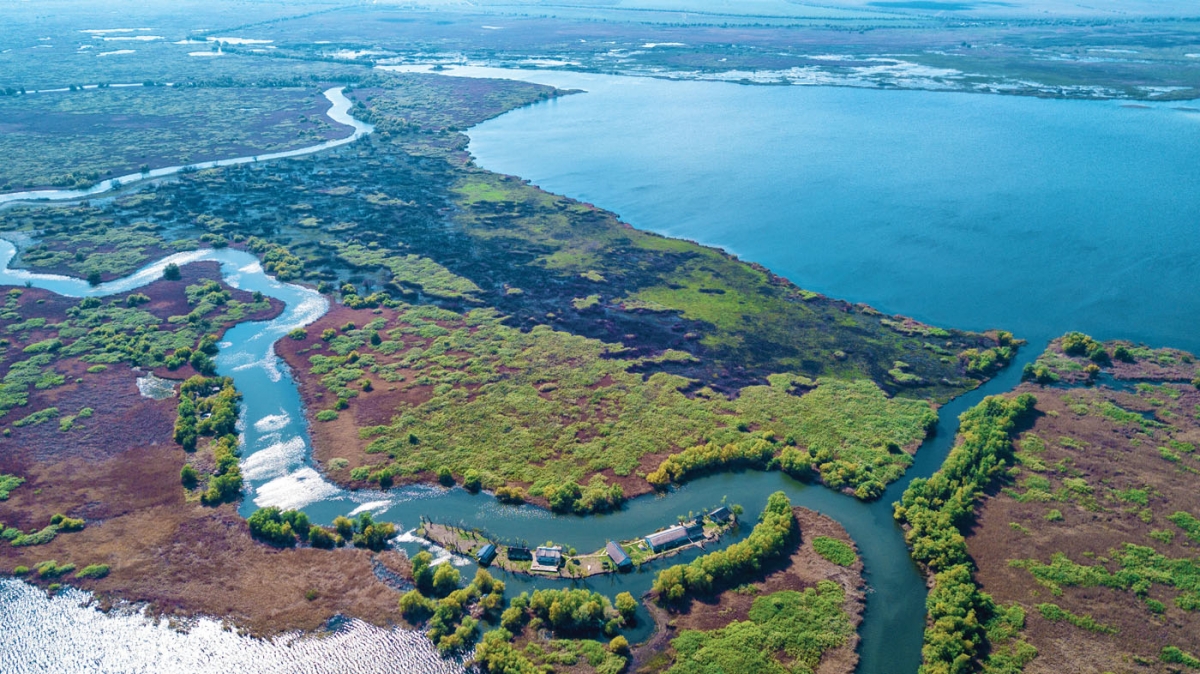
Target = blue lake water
(965,210)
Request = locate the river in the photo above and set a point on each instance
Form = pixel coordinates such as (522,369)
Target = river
(631,174)
(339,112)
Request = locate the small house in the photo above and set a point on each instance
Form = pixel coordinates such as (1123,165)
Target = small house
(548,556)
(721,515)
(519,554)
(486,554)
(618,556)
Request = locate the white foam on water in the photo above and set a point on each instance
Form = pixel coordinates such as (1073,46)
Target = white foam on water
(295,490)
(273,422)
(275,460)
(373,507)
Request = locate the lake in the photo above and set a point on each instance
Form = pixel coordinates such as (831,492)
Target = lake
(963,210)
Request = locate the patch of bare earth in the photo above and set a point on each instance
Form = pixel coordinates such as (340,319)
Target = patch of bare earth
(120,471)
(1109,456)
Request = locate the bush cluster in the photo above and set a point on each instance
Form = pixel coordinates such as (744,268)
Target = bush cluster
(756,453)
(769,538)
(443,606)
(937,510)
(279,527)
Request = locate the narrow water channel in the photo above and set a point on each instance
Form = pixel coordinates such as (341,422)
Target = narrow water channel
(339,112)
(278,470)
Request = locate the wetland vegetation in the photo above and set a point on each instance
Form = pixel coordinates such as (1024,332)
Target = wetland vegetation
(490,335)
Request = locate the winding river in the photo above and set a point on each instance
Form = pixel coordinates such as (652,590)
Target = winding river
(339,112)
(279,472)
(278,469)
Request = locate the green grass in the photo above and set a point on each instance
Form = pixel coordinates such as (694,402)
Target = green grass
(1136,569)
(838,552)
(1187,522)
(800,626)
(545,407)
(1055,613)
(8,483)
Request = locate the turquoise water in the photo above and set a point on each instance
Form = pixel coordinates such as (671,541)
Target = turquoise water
(972,211)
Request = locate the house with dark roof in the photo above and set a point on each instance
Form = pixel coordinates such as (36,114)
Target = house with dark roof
(618,556)
(486,554)
(721,515)
(519,554)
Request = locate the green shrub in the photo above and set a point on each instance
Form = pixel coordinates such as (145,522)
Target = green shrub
(93,571)
(8,483)
(838,552)
(445,579)
(802,626)
(415,607)
(299,334)
(278,527)
(327,415)
(1055,613)
(1173,655)
(65,523)
(472,481)
(171,272)
(372,535)
(20,570)
(188,476)
(319,537)
(51,569)
(938,509)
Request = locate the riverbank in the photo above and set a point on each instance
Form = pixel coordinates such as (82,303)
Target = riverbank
(88,445)
(1093,533)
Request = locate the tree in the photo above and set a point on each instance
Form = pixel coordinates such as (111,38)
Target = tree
(268,524)
(445,579)
(319,537)
(344,526)
(472,481)
(626,605)
(415,607)
(421,571)
(94,278)
(188,476)
(171,272)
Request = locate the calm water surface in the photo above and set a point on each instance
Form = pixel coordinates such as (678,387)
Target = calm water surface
(973,211)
